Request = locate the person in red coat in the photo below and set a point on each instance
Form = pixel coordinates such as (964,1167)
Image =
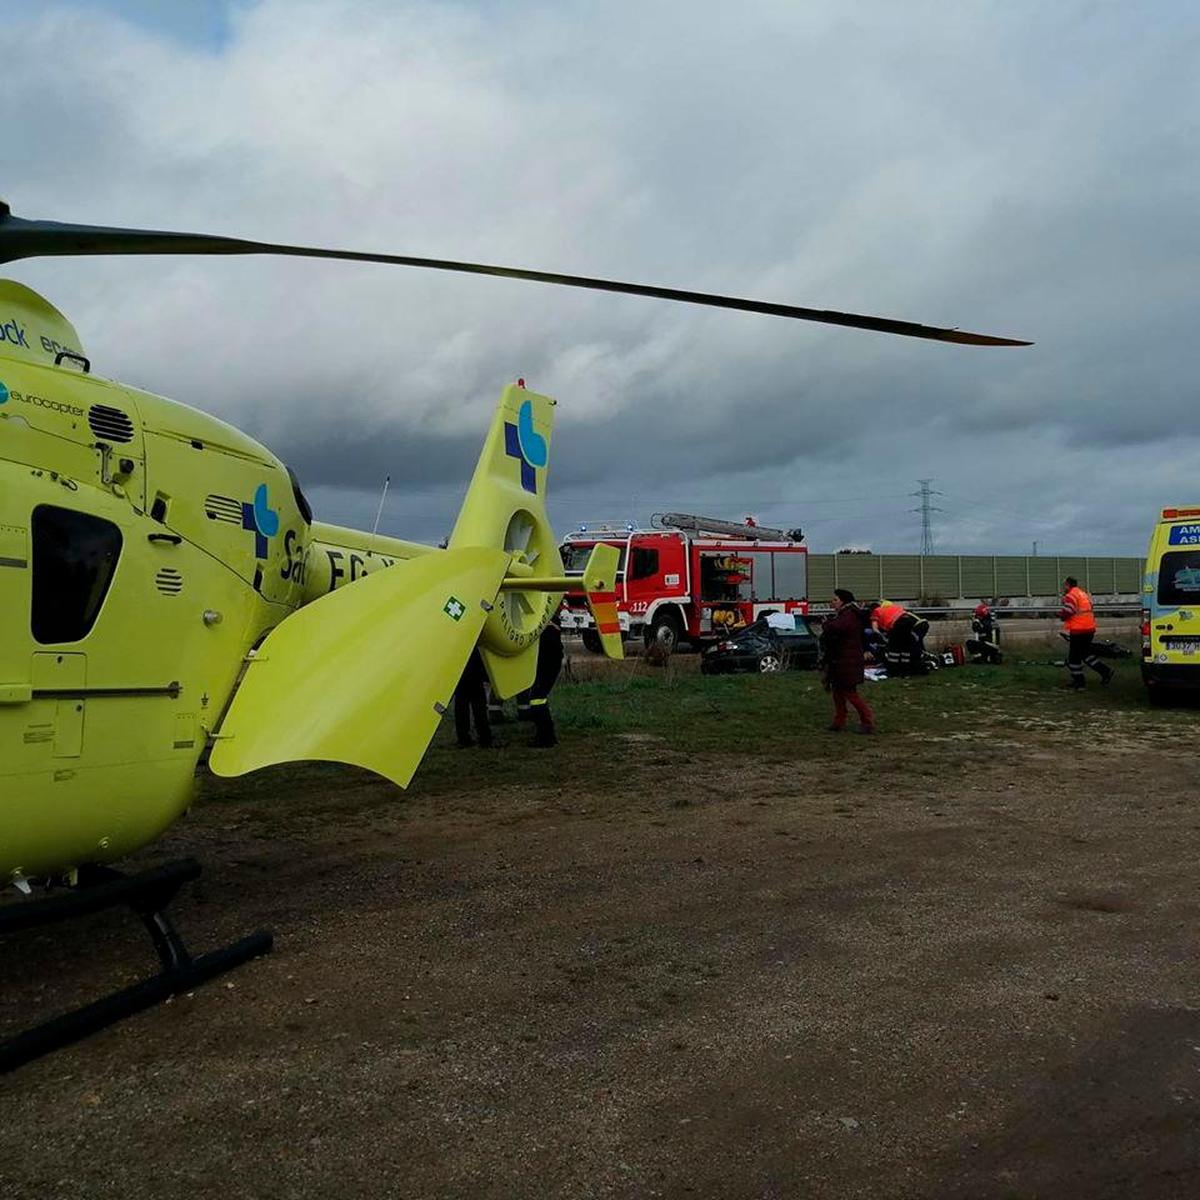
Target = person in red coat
(842,661)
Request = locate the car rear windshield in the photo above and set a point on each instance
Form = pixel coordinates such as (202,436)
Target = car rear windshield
(757,632)
(1179,577)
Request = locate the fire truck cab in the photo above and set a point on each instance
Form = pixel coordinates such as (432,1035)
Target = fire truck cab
(690,578)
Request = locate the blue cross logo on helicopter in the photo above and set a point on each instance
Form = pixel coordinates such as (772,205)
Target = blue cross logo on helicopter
(261,519)
(523,442)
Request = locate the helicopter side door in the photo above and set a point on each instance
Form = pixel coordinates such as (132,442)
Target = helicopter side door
(64,437)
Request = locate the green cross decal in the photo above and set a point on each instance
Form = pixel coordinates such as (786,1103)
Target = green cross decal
(454,608)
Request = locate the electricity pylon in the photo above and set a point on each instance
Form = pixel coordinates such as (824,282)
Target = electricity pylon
(926,510)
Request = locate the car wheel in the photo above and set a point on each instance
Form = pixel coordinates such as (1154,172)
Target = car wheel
(591,641)
(768,664)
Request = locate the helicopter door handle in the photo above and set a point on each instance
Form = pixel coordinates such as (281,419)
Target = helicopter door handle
(81,359)
(173,538)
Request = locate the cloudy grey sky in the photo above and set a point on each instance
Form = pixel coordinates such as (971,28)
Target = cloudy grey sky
(1016,168)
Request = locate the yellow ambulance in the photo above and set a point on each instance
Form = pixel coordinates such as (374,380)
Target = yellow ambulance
(1171,605)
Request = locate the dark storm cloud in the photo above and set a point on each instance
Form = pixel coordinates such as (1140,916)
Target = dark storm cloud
(1016,169)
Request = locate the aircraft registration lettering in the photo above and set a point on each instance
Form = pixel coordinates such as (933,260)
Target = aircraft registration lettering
(335,571)
(355,568)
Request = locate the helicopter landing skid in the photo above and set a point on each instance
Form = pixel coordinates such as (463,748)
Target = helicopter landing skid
(148,893)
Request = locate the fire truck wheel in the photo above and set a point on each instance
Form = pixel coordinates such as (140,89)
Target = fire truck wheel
(769,663)
(665,631)
(591,641)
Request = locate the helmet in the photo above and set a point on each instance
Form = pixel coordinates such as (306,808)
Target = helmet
(982,610)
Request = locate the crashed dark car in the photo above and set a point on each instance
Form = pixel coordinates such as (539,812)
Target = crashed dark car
(763,648)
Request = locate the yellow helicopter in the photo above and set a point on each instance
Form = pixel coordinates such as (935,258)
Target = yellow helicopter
(166,590)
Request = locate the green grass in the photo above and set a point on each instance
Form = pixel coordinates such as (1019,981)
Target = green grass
(638,714)
(629,725)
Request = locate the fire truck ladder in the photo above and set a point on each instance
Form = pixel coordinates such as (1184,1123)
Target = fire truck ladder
(691,523)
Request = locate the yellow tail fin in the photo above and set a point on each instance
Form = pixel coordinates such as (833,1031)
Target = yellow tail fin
(505,508)
(600,585)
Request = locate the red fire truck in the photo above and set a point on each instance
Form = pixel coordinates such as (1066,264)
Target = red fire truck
(690,578)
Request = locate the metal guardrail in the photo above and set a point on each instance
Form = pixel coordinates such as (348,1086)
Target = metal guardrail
(1116,609)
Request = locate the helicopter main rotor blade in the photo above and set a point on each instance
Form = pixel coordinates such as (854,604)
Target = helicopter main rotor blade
(21,238)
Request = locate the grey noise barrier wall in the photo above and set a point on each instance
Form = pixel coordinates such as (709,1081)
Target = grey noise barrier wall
(953,577)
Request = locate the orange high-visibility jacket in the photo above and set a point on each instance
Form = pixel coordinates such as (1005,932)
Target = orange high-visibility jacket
(1076,613)
(886,615)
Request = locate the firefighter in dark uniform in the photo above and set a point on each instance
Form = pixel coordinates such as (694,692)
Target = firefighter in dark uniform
(534,705)
(495,707)
(985,645)
(1079,622)
(470,700)
(905,633)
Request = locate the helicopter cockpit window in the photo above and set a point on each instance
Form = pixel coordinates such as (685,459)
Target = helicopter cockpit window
(301,499)
(74,557)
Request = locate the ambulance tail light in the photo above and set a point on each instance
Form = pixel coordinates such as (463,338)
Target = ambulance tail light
(1145,633)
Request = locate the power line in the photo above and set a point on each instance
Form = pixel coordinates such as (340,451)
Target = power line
(996,507)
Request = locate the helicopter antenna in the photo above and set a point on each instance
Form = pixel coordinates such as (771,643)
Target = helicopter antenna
(379,513)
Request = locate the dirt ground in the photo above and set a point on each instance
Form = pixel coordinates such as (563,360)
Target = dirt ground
(924,964)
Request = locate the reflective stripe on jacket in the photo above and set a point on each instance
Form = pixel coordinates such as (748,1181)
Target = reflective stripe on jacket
(1076,614)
